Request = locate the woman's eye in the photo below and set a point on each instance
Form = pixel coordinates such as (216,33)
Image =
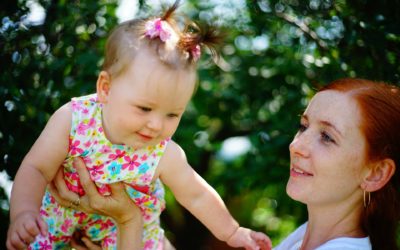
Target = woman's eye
(302,127)
(327,138)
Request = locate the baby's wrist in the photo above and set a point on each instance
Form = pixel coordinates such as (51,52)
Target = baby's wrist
(229,236)
(23,212)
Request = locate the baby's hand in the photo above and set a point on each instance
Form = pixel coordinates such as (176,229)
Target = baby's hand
(250,240)
(23,230)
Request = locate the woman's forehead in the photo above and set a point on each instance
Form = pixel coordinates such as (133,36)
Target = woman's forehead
(334,107)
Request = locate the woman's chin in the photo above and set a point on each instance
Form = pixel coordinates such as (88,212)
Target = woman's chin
(295,191)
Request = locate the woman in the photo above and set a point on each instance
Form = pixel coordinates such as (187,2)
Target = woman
(343,167)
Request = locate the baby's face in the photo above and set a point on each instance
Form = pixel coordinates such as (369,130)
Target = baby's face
(146,102)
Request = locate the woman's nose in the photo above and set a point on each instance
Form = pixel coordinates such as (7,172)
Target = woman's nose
(300,145)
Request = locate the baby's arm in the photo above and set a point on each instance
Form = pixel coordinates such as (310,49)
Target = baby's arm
(195,194)
(37,169)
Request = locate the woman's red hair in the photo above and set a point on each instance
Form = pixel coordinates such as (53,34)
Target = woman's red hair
(380,123)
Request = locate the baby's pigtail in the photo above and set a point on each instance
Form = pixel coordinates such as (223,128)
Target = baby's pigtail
(195,37)
(170,11)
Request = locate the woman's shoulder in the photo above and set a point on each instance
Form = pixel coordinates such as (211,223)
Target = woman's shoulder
(346,243)
(294,240)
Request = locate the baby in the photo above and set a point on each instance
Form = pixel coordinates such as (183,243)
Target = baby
(123,133)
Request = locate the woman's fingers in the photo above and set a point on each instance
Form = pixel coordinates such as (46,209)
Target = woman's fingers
(54,192)
(118,190)
(62,188)
(86,182)
(90,245)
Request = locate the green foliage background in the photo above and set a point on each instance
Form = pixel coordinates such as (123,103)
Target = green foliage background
(275,56)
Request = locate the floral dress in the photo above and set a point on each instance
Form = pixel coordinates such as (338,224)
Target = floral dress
(107,163)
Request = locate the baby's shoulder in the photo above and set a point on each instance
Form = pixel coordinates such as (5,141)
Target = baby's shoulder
(174,150)
(173,155)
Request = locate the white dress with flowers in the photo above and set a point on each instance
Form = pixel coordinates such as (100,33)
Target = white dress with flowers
(107,163)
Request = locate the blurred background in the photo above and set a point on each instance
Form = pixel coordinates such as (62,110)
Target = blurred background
(237,129)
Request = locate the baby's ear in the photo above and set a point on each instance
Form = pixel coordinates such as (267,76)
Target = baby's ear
(103,86)
(378,175)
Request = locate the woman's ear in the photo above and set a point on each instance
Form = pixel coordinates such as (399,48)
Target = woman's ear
(103,86)
(378,175)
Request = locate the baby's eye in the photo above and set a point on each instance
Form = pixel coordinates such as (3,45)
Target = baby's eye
(144,109)
(325,137)
(172,115)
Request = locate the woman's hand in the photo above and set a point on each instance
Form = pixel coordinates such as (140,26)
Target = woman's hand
(118,205)
(80,242)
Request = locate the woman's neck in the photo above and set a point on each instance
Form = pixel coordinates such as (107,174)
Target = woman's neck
(326,224)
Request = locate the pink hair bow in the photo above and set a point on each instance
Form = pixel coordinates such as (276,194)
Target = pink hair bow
(158,28)
(196,52)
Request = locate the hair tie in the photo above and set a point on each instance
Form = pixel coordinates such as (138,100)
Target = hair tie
(158,28)
(196,52)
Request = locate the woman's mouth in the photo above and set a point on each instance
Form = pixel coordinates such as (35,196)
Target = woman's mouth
(297,172)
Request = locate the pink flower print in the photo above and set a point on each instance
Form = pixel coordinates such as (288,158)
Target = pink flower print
(56,212)
(141,200)
(131,163)
(92,123)
(87,144)
(146,178)
(75,150)
(100,129)
(66,225)
(71,176)
(147,217)
(81,217)
(108,242)
(104,189)
(76,189)
(104,149)
(43,212)
(81,128)
(45,245)
(96,171)
(106,224)
(144,157)
(118,154)
(148,245)
(85,111)
(75,106)
(87,160)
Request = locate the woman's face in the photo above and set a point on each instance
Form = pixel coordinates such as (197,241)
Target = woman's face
(328,153)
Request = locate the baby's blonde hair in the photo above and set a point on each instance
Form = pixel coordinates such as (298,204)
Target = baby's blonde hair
(128,38)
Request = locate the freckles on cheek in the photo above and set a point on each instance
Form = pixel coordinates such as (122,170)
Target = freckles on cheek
(352,165)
